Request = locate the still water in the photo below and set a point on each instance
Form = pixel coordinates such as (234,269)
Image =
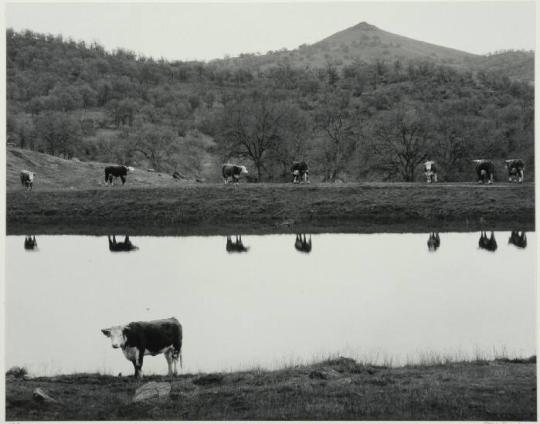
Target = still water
(269,300)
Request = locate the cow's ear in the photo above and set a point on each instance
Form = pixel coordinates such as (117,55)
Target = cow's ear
(106,331)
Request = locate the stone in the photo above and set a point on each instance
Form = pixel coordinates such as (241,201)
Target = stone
(41,396)
(152,391)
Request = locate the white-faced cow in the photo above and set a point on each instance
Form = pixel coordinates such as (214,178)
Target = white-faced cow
(234,172)
(141,338)
(117,171)
(302,244)
(236,246)
(516,169)
(518,239)
(434,241)
(27,179)
(300,172)
(487,243)
(430,171)
(485,170)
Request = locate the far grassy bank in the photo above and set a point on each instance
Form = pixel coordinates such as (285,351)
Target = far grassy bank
(331,390)
(266,208)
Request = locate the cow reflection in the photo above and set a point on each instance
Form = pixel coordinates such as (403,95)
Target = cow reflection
(487,243)
(235,246)
(121,246)
(518,239)
(30,243)
(302,244)
(434,241)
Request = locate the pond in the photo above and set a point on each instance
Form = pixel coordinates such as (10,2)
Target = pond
(271,300)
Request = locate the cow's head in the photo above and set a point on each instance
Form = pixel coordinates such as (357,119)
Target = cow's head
(428,165)
(117,334)
(130,168)
(243,170)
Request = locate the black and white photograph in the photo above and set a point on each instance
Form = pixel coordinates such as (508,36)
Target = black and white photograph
(269,211)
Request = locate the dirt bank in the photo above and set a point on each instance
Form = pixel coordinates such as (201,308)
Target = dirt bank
(331,390)
(266,208)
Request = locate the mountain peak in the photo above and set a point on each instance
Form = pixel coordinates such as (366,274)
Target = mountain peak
(364,26)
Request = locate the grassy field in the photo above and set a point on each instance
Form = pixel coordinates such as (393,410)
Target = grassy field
(335,389)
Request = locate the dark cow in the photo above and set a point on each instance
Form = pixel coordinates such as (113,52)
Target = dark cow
(486,243)
(300,172)
(116,171)
(302,244)
(233,171)
(140,338)
(430,171)
(30,242)
(434,241)
(27,179)
(485,170)
(518,239)
(516,169)
(118,246)
(236,246)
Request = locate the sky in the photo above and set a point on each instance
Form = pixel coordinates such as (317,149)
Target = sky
(205,31)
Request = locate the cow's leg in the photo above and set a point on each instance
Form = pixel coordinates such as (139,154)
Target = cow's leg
(521,175)
(123,178)
(169,357)
(490,181)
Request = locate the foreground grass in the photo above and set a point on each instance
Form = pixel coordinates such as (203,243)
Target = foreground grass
(261,208)
(333,389)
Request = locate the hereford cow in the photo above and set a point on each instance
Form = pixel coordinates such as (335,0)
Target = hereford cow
(27,179)
(434,241)
(485,170)
(518,239)
(300,172)
(486,243)
(430,171)
(119,246)
(233,171)
(140,338)
(236,246)
(515,170)
(30,242)
(116,171)
(302,244)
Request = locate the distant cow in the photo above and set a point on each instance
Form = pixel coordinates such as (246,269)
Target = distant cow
(115,172)
(233,171)
(518,239)
(140,338)
(430,171)
(486,243)
(302,244)
(300,172)
(236,246)
(485,170)
(30,242)
(516,169)
(27,179)
(118,246)
(434,241)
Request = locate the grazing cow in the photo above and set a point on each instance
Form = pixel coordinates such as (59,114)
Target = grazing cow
(515,170)
(115,172)
(233,171)
(518,239)
(141,338)
(302,244)
(300,172)
(485,170)
(434,241)
(430,171)
(118,246)
(486,243)
(30,242)
(235,246)
(27,179)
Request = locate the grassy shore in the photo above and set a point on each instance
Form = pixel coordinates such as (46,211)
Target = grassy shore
(334,389)
(265,208)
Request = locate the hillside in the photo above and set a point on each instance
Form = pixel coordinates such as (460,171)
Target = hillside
(53,173)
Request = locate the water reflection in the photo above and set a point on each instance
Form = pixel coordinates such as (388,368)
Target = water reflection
(434,241)
(236,246)
(119,246)
(518,239)
(302,244)
(486,243)
(30,243)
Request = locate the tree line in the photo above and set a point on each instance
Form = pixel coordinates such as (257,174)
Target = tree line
(358,122)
